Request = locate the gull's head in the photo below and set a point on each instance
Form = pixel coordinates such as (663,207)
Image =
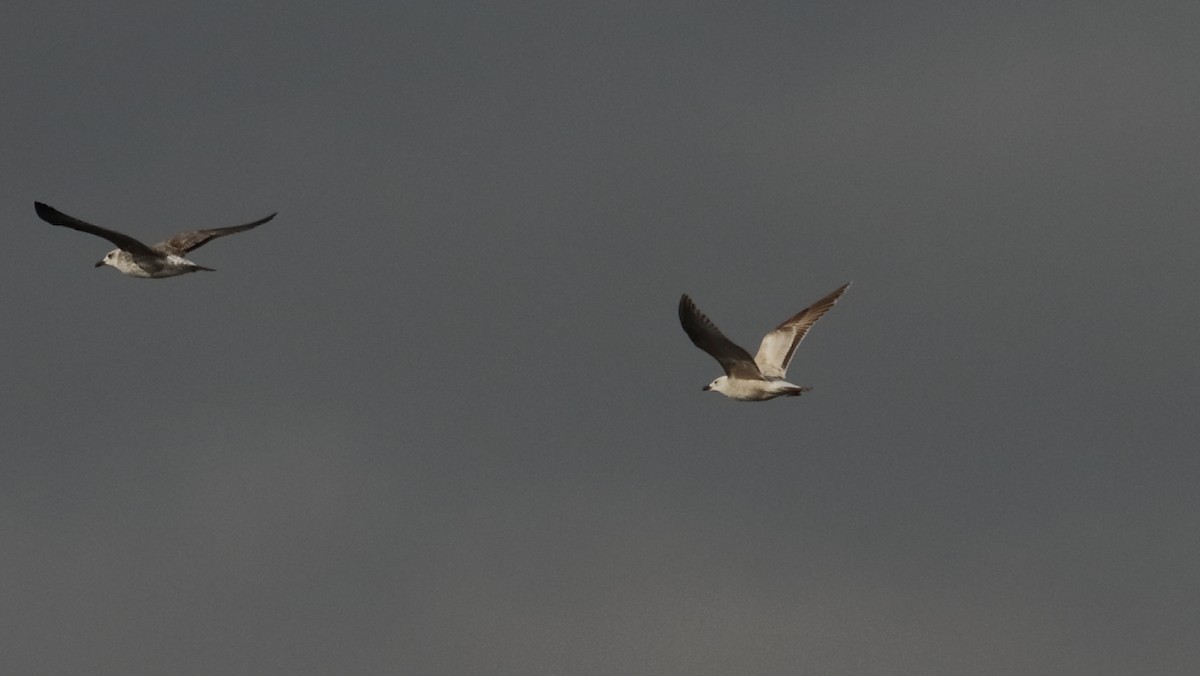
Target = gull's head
(718,385)
(110,258)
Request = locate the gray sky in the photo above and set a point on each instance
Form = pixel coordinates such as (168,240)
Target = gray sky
(438,417)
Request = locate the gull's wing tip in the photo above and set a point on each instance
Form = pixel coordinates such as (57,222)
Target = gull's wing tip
(54,216)
(833,296)
(258,222)
(44,211)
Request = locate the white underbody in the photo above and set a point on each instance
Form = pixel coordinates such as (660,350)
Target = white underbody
(755,390)
(168,265)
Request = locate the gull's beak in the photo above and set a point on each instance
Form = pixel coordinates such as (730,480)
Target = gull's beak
(705,388)
(100,264)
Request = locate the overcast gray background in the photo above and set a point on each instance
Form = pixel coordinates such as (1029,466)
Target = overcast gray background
(438,417)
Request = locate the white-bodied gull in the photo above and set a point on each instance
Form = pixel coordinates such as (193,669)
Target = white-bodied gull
(761,377)
(133,258)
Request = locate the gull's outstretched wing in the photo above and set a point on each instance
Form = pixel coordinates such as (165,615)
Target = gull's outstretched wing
(706,336)
(124,242)
(194,239)
(778,346)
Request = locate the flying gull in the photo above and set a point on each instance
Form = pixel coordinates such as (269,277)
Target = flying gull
(135,259)
(761,377)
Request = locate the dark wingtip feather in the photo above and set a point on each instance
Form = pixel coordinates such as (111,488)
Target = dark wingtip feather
(685,305)
(47,213)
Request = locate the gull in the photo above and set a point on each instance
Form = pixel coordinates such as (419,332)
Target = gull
(761,377)
(133,258)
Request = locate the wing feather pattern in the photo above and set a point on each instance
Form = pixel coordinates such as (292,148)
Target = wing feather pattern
(122,241)
(778,346)
(194,239)
(705,335)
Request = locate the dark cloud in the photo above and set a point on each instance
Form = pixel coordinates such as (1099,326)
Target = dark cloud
(439,417)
